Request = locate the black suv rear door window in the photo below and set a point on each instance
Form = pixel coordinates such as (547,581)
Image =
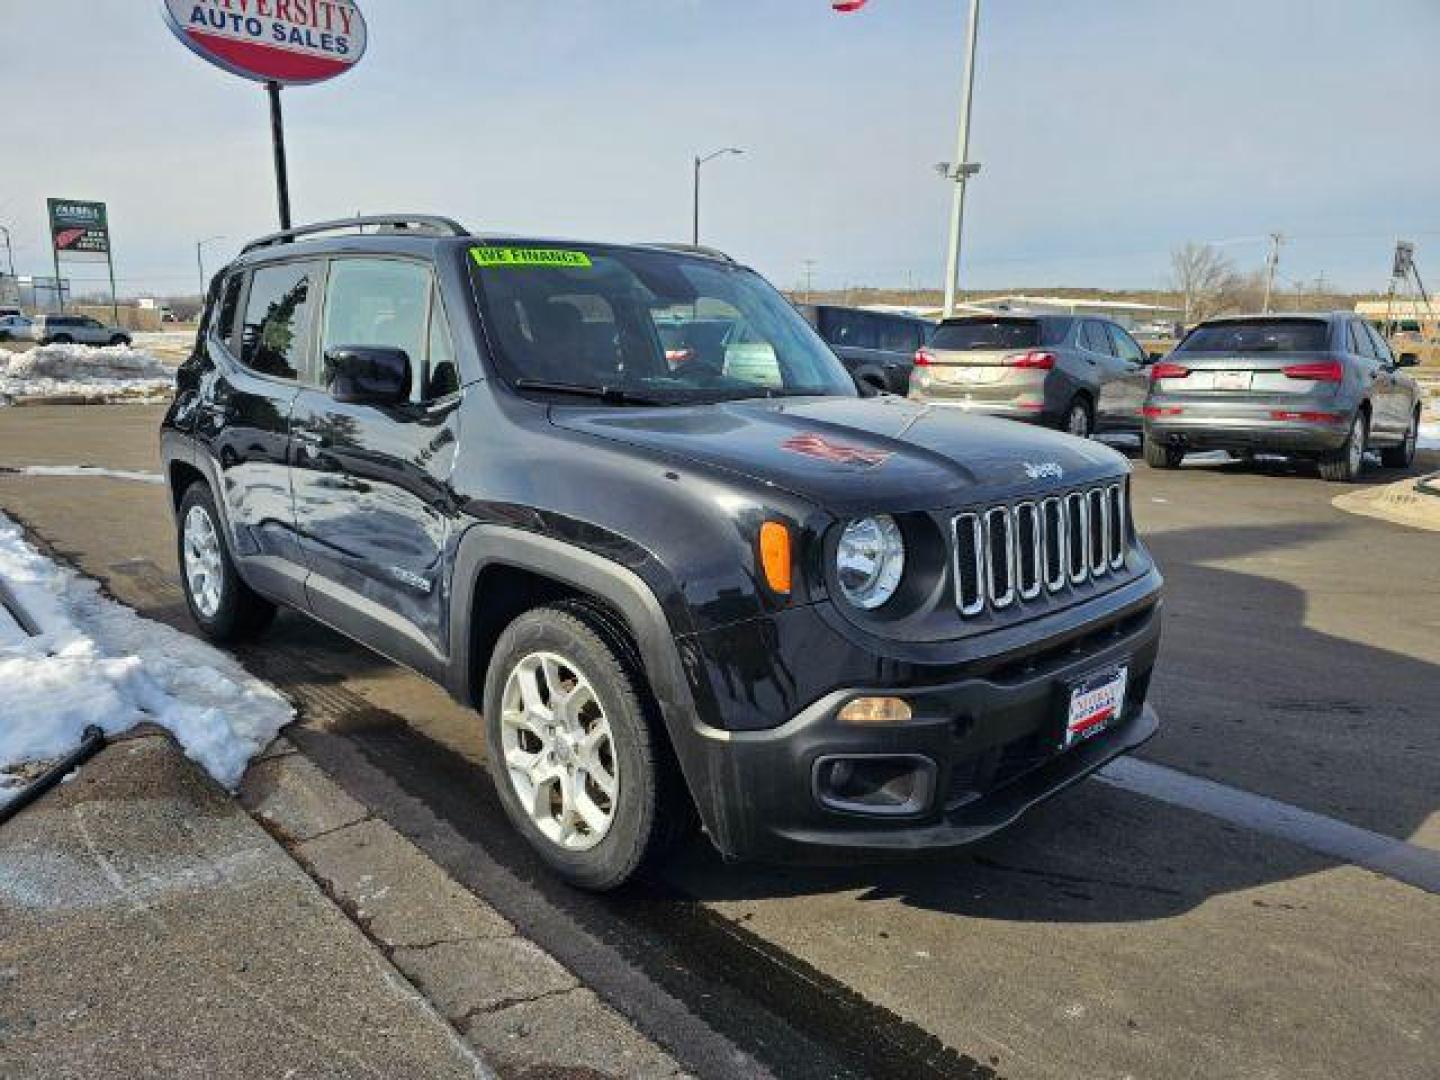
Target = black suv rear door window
(1258,335)
(277,319)
(224,318)
(1094,337)
(969,335)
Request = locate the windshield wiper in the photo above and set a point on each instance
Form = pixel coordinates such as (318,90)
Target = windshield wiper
(611,395)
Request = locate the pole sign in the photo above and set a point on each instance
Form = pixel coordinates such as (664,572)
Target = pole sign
(79,230)
(287,42)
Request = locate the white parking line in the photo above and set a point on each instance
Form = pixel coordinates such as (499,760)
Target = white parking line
(1396,859)
(83,470)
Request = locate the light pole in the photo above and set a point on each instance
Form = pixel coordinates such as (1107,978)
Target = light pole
(963,168)
(200,262)
(10,259)
(695,227)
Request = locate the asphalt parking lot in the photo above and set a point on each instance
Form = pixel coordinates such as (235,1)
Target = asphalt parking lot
(1114,933)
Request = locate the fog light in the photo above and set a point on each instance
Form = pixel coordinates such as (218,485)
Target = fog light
(875,784)
(875,710)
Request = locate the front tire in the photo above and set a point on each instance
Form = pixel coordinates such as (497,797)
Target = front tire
(222,605)
(1403,456)
(1343,466)
(1161,455)
(581,771)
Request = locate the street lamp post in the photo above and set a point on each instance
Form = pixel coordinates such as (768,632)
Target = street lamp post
(10,260)
(695,226)
(963,168)
(200,262)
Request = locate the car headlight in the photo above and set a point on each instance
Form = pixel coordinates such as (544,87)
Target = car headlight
(870,560)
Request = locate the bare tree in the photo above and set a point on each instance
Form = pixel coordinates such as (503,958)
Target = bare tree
(1204,278)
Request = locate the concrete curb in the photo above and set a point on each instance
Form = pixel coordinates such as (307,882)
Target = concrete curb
(513,1003)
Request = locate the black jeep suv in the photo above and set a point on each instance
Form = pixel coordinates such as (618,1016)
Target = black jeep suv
(704,577)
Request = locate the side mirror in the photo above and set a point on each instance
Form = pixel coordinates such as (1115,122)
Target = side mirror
(1407,359)
(367,374)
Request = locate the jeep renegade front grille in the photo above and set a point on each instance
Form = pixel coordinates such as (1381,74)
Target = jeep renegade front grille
(1006,555)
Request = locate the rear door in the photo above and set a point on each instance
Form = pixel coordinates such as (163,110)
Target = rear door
(1133,378)
(1098,352)
(261,339)
(1391,400)
(372,481)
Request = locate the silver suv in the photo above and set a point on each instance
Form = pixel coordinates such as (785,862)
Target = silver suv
(1075,373)
(1320,386)
(78,330)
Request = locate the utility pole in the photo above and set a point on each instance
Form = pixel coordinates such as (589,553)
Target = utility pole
(809,278)
(962,169)
(1272,263)
(10,259)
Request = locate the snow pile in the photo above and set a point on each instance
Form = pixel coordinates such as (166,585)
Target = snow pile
(116,372)
(1430,436)
(97,662)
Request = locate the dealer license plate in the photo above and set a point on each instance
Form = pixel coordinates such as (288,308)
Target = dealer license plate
(1095,703)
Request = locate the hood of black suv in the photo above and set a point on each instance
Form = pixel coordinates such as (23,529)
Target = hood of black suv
(858,453)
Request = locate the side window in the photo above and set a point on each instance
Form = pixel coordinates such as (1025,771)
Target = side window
(222,321)
(1360,342)
(1094,338)
(1382,347)
(1126,347)
(277,319)
(378,302)
(854,329)
(444,376)
(901,335)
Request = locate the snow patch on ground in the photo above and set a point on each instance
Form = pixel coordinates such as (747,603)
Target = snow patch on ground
(1430,436)
(116,372)
(97,662)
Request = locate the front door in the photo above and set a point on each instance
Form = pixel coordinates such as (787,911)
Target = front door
(372,498)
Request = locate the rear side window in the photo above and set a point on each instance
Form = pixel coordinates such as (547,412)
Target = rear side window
(1382,347)
(898,335)
(1096,338)
(223,321)
(968,335)
(851,329)
(1258,335)
(277,319)
(1360,343)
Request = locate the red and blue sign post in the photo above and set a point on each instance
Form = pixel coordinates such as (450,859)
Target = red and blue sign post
(275,42)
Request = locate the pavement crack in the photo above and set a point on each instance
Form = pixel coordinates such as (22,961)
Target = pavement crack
(511,1002)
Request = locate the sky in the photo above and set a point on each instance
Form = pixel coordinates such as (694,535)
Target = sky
(1108,133)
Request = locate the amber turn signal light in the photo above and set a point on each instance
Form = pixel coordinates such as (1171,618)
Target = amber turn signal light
(875,710)
(775,556)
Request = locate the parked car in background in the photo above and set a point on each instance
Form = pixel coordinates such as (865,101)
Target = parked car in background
(1320,386)
(77,330)
(877,347)
(15,327)
(1076,373)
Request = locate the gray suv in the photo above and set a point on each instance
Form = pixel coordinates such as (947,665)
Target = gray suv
(77,330)
(1320,386)
(1079,374)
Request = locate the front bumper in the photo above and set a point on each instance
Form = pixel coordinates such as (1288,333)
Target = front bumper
(990,733)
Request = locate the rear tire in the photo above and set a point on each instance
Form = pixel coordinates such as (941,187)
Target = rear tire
(1403,456)
(1343,466)
(590,785)
(119,339)
(1079,418)
(1161,455)
(222,605)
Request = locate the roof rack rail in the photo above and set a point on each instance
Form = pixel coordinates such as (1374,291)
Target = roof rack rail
(395,222)
(692,249)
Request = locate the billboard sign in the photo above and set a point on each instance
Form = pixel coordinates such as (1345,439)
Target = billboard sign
(288,42)
(79,230)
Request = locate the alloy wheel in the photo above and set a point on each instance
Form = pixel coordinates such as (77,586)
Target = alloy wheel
(204,574)
(1078,422)
(559,751)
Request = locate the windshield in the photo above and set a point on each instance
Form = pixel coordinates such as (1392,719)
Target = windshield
(649,325)
(1257,335)
(969,335)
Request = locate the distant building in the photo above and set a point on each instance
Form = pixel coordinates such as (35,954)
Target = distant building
(1412,316)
